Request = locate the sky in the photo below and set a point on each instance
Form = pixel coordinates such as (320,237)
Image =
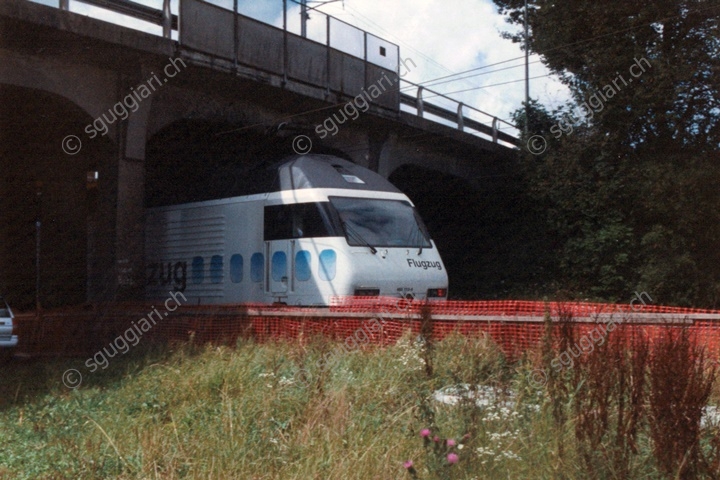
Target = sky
(446,37)
(440,37)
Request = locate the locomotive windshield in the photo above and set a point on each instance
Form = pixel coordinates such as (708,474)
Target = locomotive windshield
(380,223)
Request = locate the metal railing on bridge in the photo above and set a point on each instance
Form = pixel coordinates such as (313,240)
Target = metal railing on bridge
(458,116)
(353,59)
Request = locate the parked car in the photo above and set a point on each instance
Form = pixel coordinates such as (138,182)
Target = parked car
(7,340)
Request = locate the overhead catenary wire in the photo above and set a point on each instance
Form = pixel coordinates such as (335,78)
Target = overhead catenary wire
(488,86)
(432,83)
(399,40)
(447,78)
(368,21)
(567,45)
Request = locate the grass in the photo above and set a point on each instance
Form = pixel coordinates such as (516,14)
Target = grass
(216,412)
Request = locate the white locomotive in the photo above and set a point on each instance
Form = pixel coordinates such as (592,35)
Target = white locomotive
(328,227)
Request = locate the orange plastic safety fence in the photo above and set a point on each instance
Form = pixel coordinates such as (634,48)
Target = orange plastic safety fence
(516,326)
(506,307)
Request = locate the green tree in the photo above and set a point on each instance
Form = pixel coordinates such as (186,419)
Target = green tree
(628,181)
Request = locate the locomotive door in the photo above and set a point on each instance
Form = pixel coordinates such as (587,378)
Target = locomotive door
(279,255)
(280,231)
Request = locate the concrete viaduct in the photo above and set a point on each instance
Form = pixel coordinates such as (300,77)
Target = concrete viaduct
(97,117)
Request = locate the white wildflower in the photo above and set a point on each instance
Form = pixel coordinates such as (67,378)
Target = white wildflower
(410,354)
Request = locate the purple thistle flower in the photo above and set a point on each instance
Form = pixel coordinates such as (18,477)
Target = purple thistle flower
(410,469)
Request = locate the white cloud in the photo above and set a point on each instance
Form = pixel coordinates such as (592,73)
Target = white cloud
(445,37)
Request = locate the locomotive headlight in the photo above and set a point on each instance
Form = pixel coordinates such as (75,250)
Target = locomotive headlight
(437,292)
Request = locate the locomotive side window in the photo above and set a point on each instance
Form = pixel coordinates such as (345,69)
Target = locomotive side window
(216,268)
(198,270)
(327,266)
(236,268)
(302,265)
(298,220)
(257,267)
(278,266)
(278,222)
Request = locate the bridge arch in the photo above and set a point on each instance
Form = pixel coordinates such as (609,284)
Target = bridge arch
(90,89)
(40,181)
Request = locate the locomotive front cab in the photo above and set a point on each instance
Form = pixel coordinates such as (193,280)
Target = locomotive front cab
(392,252)
(350,245)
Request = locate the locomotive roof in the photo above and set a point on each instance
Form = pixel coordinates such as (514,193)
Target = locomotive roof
(294,172)
(326,171)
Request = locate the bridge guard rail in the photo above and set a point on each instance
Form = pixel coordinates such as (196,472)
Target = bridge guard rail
(463,122)
(241,40)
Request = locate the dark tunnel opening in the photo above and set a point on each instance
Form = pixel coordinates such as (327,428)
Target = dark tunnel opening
(41,183)
(480,228)
(196,160)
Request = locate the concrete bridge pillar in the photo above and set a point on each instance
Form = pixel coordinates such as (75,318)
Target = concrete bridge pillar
(130,213)
(376,143)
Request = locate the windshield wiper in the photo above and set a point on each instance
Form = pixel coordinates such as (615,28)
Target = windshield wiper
(352,232)
(419,231)
(412,240)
